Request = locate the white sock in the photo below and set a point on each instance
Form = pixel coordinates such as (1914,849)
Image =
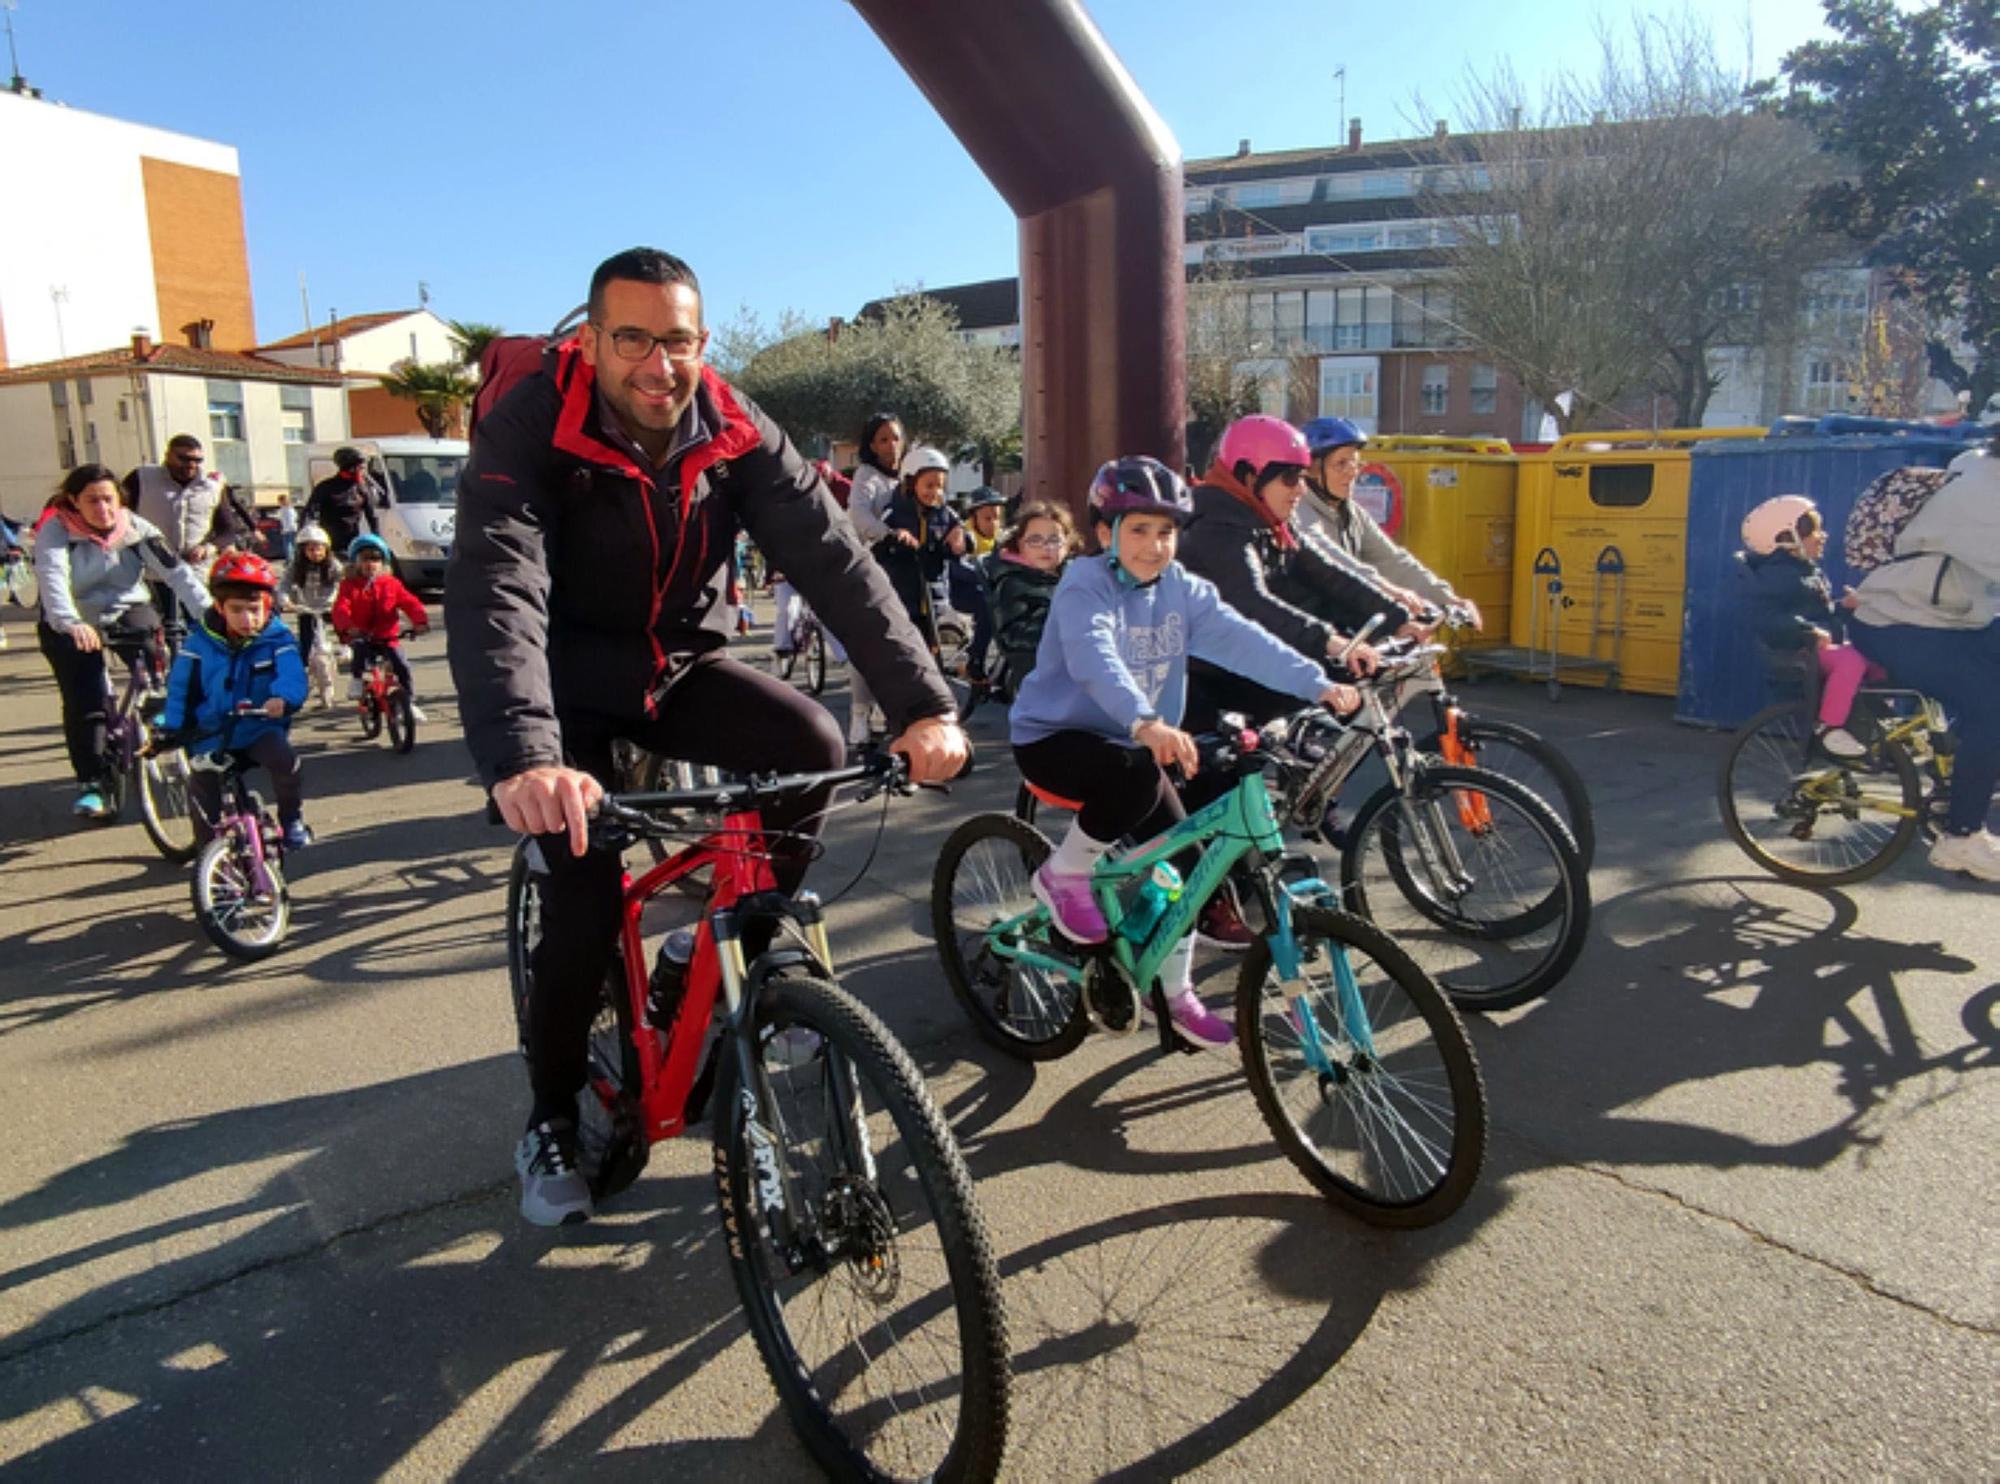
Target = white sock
(1078,854)
(1177,972)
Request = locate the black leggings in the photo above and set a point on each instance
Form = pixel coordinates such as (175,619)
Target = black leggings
(80,678)
(272,752)
(1123,790)
(721,713)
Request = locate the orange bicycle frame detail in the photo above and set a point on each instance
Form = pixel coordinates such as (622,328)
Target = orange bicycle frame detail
(1473,811)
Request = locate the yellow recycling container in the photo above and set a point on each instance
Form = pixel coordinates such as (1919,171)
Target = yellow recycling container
(1600,556)
(1450,501)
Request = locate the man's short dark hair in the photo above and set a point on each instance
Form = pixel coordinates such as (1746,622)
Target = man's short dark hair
(183,440)
(639,265)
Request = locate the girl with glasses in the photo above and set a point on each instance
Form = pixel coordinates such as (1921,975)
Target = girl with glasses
(1025,571)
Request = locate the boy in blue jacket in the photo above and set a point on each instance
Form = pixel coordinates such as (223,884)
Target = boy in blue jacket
(1098,717)
(235,684)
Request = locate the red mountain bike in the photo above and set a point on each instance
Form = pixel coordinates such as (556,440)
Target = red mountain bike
(857,1247)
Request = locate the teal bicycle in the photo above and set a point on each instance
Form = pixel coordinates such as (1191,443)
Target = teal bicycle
(1359,1065)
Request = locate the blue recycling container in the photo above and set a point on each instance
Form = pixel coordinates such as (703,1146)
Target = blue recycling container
(1831,460)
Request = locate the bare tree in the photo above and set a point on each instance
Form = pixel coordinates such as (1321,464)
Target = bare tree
(1631,221)
(1219,342)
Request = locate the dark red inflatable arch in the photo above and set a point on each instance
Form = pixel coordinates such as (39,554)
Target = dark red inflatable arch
(1059,127)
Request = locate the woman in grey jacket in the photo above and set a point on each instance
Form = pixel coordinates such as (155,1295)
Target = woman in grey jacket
(1330,509)
(92,558)
(875,484)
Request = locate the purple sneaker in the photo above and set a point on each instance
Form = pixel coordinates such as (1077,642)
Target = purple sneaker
(1071,906)
(1193,1020)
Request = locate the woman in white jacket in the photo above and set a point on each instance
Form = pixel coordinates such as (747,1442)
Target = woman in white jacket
(881,450)
(92,559)
(1929,618)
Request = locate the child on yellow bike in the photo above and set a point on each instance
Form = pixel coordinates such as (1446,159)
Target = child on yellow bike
(235,684)
(1792,609)
(1097,718)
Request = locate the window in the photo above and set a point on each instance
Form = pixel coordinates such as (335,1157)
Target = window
(1825,391)
(225,420)
(1291,313)
(83,394)
(1347,386)
(229,455)
(1485,391)
(1320,318)
(1437,390)
(59,396)
(1378,317)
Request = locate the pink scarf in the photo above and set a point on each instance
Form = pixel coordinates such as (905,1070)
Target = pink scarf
(83,530)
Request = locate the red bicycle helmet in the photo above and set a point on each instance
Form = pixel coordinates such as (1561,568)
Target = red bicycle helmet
(241,570)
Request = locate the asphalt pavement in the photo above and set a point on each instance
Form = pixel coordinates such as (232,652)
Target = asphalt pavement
(258,1221)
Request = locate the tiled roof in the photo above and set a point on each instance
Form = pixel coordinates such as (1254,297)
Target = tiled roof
(340,329)
(171,359)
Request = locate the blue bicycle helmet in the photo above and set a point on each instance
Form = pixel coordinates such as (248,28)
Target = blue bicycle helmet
(368,542)
(1324,434)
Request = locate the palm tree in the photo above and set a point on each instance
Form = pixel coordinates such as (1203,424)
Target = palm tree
(470,337)
(440,392)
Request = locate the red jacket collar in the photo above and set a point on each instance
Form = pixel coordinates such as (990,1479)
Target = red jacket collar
(576,423)
(1223,479)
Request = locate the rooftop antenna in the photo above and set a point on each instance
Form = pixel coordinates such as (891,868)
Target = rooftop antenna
(20,83)
(1339,76)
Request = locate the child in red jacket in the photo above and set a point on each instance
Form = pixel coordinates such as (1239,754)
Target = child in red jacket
(366,614)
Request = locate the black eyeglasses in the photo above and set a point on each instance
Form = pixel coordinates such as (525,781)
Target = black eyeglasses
(1043,541)
(634,344)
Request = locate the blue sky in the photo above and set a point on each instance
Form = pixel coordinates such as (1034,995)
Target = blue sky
(498,150)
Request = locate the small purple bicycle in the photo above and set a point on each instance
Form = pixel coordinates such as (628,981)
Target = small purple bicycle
(240,897)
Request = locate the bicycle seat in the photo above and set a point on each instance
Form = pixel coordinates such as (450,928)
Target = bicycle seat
(1053,800)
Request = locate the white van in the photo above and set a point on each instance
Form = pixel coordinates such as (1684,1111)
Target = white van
(419,508)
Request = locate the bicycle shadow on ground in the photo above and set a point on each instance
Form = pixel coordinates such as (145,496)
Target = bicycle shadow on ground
(454,1341)
(1710,978)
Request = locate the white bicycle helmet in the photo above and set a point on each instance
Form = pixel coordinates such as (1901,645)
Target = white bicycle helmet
(921,458)
(1780,523)
(309,534)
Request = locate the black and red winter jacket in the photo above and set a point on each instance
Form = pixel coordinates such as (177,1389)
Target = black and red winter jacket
(580,582)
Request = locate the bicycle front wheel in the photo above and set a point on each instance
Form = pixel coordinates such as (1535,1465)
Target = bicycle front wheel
(524,929)
(1533,762)
(240,919)
(1363,1072)
(983,879)
(857,1247)
(402,722)
(165,806)
(371,718)
(1809,820)
(1476,878)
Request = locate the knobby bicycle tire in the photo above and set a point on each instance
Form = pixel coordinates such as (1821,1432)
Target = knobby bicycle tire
(1774,741)
(1397,1134)
(1558,906)
(166,807)
(867,1241)
(222,897)
(816,661)
(402,721)
(371,718)
(982,877)
(524,928)
(1572,798)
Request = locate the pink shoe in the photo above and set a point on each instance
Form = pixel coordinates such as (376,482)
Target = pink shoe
(1193,1020)
(1071,906)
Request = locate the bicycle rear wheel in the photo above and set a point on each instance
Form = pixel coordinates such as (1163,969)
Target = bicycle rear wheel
(165,805)
(982,879)
(402,723)
(1476,878)
(238,919)
(1809,820)
(1385,1113)
(857,1246)
(1535,763)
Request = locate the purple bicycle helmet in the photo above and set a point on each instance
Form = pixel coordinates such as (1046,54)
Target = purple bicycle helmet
(1138,485)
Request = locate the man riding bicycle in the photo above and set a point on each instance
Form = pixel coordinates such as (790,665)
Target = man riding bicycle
(585,603)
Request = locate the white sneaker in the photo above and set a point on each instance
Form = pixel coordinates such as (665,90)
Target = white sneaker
(1841,743)
(417,713)
(1976,855)
(354,688)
